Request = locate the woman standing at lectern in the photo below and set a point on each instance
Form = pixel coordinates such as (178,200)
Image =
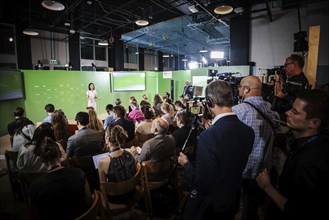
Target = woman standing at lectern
(91,95)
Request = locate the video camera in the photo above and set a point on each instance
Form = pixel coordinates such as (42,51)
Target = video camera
(278,70)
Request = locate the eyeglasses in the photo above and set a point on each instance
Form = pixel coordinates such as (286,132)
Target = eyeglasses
(286,64)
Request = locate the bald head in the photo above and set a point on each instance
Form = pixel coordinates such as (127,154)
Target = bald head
(159,126)
(251,86)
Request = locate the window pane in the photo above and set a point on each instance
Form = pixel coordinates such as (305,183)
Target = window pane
(87,48)
(100,53)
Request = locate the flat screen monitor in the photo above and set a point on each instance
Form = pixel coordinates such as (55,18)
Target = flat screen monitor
(128,81)
(11,85)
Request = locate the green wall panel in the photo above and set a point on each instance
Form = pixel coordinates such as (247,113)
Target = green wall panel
(67,89)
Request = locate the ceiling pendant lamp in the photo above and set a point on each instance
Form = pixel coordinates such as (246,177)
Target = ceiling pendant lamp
(53,5)
(142,22)
(30,31)
(223,9)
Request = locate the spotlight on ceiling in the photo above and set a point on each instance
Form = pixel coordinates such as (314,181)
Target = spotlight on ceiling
(53,5)
(223,9)
(193,9)
(141,22)
(103,43)
(30,32)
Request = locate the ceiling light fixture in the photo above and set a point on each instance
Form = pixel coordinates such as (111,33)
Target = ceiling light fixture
(193,9)
(103,43)
(165,55)
(30,31)
(203,50)
(223,9)
(53,5)
(141,22)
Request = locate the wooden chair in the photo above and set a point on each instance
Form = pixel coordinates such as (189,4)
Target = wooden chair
(94,211)
(156,175)
(141,138)
(25,180)
(119,189)
(11,161)
(86,164)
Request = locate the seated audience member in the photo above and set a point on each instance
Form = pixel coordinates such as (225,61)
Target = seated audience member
(144,102)
(120,164)
(110,117)
(62,193)
(157,101)
(131,99)
(182,133)
(179,107)
(128,126)
(302,189)
(135,114)
(18,112)
(168,111)
(50,108)
(23,133)
(118,101)
(94,122)
(166,98)
(159,148)
(27,160)
(86,141)
(144,128)
(145,97)
(61,128)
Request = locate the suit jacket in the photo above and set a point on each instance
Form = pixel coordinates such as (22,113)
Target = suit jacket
(128,126)
(188,90)
(85,142)
(222,154)
(161,147)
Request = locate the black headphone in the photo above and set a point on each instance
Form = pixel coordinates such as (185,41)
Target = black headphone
(210,102)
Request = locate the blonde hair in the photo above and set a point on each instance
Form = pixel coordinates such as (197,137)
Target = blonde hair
(168,109)
(94,122)
(116,135)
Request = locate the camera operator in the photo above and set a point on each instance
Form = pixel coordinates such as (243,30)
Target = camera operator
(287,87)
(222,154)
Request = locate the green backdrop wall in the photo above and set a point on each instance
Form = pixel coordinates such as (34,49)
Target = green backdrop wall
(67,89)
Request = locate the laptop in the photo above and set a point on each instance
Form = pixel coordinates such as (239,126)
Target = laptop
(97,157)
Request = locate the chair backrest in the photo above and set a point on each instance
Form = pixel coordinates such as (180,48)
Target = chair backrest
(155,175)
(86,164)
(123,187)
(25,180)
(11,161)
(93,211)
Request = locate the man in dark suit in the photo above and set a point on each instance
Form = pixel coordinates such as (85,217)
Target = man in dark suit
(86,141)
(128,126)
(222,154)
(188,90)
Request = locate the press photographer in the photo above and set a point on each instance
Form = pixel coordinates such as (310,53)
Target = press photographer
(289,81)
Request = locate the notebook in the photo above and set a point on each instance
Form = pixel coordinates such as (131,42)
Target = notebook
(97,157)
